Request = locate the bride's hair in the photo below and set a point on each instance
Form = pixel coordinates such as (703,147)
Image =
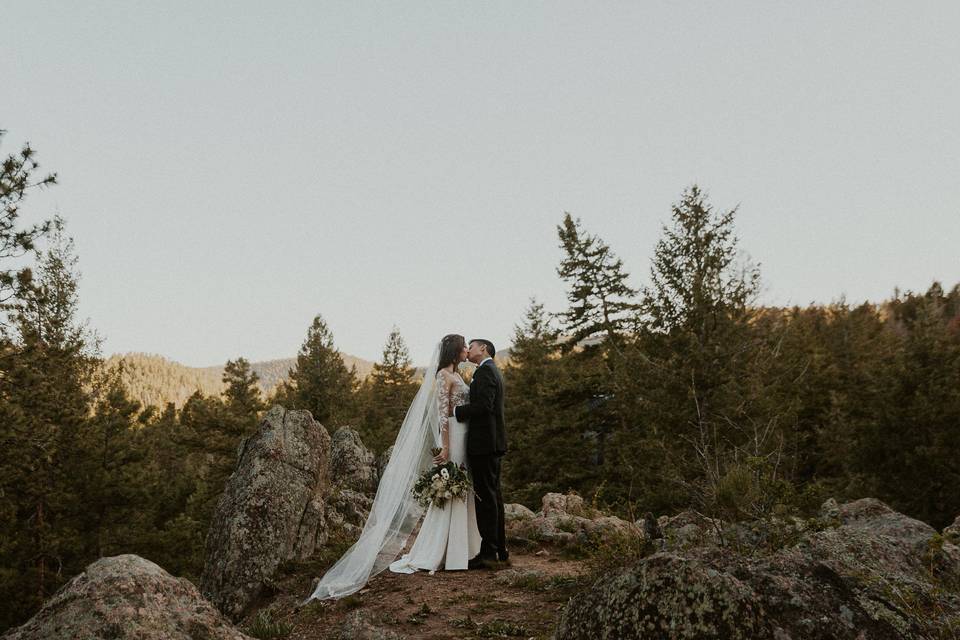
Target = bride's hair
(450,348)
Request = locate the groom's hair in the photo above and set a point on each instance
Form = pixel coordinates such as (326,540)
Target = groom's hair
(490,348)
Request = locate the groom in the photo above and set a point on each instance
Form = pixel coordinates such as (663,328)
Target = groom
(486,444)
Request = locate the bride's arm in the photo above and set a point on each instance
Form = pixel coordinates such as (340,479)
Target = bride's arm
(444,402)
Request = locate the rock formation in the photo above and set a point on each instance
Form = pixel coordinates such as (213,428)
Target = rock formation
(127,596)
(563,519)
(354,474)
(352,465)
(272,509)
(860,570)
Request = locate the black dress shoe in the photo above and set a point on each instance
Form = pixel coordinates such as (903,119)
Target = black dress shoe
(480,562)
(503,556)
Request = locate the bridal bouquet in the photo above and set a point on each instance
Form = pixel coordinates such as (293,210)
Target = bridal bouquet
(442,482)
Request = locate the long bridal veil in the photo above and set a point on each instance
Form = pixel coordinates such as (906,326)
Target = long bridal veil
(394,512)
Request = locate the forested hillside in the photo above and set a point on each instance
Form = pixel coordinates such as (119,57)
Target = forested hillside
(683,392)
(152,379)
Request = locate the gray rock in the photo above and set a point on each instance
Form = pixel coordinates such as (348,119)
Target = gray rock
(271,511)
(348,511)
(952,532)
(690,528)
(562,504)
(830,510)
(564,519)
(515,511)
(383,460)
(352,465)
(127,596)
(357,626)
(869,577)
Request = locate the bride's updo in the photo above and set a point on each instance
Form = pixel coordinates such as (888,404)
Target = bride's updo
(450,348)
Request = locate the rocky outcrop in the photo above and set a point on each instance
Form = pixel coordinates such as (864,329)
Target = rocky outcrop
(347,511)
(354,474)
(127,596)
(861,570)
(352,465)
(564,519)
(952,532)
(271,511)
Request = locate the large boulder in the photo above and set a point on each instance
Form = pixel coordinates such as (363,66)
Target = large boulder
(352,465)
(271,511)
(864,572)
(127,596)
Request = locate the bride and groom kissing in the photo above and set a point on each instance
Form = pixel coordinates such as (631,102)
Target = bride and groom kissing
(465,422)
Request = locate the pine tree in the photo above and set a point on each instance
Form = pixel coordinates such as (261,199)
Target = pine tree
(546,451)
(594,381)
(105,469)
(699,345)
(242,392)
(696,280)
(46,367)
(17,177)
(599,298)
(387,393)
(320,382)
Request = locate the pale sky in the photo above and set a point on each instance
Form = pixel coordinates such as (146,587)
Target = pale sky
(230,169)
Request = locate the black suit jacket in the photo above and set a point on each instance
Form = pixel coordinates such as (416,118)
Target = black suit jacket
(484,413)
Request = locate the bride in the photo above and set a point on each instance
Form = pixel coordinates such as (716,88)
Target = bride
(449,534)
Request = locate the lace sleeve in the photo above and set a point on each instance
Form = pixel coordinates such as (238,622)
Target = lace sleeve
(443,401)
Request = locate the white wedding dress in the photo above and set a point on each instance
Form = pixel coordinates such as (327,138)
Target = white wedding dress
(448,536)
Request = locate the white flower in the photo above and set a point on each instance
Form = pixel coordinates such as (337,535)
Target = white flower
(446,494)
(435,477)
(444,473)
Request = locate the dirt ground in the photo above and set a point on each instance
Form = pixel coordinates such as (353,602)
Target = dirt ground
(520,601)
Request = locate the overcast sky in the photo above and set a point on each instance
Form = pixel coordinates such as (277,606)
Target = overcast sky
(228,170)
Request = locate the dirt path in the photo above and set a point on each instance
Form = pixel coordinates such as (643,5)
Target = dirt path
(520,601)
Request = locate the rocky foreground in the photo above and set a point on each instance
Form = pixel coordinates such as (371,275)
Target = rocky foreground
(127,597)
(860,570)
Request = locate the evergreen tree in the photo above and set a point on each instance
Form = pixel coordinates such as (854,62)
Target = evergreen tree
(105,470)
(546,451)
(697,342)
(46,367)
(320,382)
(210,439)
(387,393)
(242,399)
(17,177)
(599,298)
(596,328)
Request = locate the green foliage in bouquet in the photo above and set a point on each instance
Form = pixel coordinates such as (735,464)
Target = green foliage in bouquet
(442,482)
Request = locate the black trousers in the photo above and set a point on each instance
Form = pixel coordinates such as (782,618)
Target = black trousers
(485,473)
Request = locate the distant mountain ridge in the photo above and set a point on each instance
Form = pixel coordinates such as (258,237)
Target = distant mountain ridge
(154,379)
(151,378)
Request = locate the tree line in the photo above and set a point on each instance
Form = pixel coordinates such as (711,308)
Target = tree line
(686,393)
